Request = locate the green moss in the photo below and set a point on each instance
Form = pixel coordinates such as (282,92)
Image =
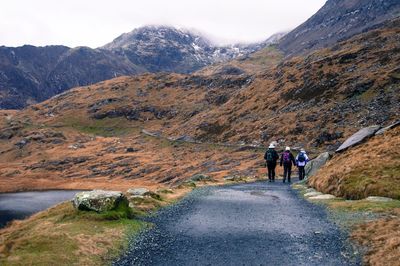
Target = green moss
(107,127)
(376,181)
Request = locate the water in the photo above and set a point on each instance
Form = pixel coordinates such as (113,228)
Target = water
(23,204)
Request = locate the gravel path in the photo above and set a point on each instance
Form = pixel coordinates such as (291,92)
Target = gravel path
(250,224)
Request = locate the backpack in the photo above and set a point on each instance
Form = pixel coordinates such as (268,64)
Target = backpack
(270,156)
(286,157)
(301,158)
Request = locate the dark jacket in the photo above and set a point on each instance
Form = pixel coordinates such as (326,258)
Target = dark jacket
(275,155)
(292,160)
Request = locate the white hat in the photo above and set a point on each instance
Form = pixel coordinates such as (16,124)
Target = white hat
(271,146)
(302,150)
(287,149)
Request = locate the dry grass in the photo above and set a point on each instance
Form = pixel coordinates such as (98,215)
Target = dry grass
(382,237)
(370,169)
(63,236)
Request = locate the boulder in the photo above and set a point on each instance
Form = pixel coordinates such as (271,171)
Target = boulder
(323,197)
(139,192)
(98,200)
(310,190)
(200,177)
(185,138)
(314,165)
(358,137)
(383,130)
(136,193)
(378,199)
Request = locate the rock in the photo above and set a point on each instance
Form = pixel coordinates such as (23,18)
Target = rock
(20,144)
(151,134)
(130,149)
(358,137)
(308,190)
(200,177)
(314,165)
(76,146)
(383,130)
(323,197)
(139,192)
(378,199)
(185,138)
(312,194)
(98,200)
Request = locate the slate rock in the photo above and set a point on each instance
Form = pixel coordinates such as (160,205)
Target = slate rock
(314,165)
(200,177)
(359,137)
(312,194)
(378,199)
(383,130)
(141,192)
(323,197)
(98,200)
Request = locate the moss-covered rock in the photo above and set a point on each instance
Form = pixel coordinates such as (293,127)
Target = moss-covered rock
(98,200)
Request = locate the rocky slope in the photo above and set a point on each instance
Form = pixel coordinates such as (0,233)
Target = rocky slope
(338,20)
(316,102)
(31,74)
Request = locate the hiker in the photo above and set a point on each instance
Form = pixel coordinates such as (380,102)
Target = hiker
(287,160)
(271,156)
(301,161)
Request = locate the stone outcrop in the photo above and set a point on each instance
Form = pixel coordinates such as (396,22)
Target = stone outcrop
(358,137)
(383,130)
(98,200)
(314,165)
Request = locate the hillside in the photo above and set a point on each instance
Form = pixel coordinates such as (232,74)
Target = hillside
(30,74)
(370,169)
(315,102)
(336,21)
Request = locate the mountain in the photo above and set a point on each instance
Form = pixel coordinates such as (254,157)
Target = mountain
(30,74)
(161,48)
(336,21)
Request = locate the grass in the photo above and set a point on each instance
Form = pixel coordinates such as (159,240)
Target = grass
(64,236)
(107,127)
(364,206)
(369,169)
(376,181)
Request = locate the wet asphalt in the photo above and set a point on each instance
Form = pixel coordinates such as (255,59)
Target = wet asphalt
(248,224)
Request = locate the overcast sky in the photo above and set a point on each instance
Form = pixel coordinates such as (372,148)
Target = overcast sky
(96,22)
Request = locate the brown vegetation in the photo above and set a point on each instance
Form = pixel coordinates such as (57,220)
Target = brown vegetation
(370,169)
(382,237)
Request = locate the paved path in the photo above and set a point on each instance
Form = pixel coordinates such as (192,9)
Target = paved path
(249,224)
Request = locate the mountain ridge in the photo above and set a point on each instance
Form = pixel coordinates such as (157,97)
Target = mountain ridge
(30,74)
(338,20)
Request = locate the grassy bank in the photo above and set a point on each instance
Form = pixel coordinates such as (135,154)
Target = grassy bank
(64,236)
(370,169)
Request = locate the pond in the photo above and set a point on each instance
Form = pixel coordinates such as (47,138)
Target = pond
(23,204)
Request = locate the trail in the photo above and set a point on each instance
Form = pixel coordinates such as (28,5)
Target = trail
(249,224)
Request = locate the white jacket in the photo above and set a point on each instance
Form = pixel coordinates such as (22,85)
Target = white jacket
(302,163)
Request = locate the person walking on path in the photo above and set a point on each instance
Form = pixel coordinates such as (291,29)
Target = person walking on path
(287,160)
(271,156)
(301,161)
